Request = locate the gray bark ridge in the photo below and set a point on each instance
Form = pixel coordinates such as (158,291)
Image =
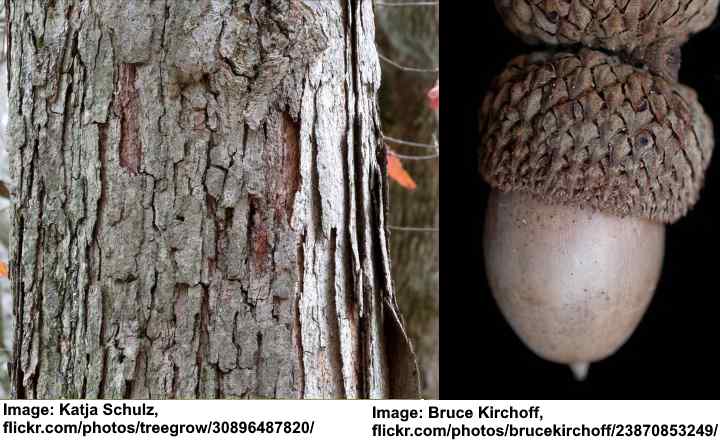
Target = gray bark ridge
(200,202)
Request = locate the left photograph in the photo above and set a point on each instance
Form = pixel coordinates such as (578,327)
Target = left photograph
(219,199)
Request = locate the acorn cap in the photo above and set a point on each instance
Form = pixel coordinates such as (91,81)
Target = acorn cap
(587,130)
(617,25)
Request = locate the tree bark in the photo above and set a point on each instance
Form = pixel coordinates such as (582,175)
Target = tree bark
(200,202)
(409,35)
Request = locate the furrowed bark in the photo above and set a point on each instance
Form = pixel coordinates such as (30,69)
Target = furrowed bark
(200,202)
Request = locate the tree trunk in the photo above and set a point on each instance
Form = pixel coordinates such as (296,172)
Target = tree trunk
(409,35)
(200,202)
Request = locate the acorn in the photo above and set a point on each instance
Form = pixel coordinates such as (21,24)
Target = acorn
(588,159)
(616,25)
(647,32)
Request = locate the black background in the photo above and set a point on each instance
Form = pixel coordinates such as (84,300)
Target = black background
(672,354)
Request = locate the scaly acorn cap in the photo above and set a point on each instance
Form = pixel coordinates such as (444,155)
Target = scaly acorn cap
(616,25)
(587,130)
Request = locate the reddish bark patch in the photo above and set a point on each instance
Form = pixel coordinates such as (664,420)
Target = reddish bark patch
(199,120)
(291,163)
(130,143)
(257,235)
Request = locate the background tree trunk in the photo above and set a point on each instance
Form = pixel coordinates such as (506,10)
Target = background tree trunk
(5,296)
(409,35)
(200,202)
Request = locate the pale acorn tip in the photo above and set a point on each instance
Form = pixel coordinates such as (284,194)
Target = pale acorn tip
(580,370)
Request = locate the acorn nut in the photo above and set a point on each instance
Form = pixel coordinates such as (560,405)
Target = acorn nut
(588,158)
(616,25)
(651,31)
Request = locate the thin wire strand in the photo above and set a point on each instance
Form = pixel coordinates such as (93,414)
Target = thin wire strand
(380,3)
(410,157)
(414,229)
(393,140)
(406,68)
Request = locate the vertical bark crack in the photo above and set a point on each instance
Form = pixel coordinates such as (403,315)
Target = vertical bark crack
(130,141)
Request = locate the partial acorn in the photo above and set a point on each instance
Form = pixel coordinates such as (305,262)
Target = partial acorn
(616,25)
(573,283)
(651,31)
(588,158)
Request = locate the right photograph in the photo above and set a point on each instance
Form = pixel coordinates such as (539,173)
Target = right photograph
(587,133)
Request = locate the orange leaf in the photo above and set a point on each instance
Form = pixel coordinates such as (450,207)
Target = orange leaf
(398,173)
(434,96)
(3,269)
